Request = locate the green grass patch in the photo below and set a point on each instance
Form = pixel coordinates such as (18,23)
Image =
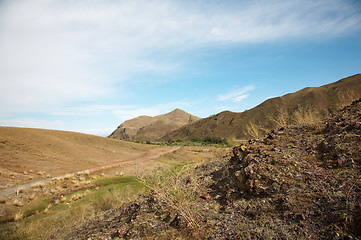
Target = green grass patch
(172,163)
(206,141)
(121,180)
(38,206)
(77,208)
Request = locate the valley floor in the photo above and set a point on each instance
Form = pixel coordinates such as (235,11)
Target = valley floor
(39,210)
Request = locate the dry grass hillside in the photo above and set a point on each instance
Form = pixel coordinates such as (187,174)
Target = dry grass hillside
(297,182)
(145,128)
(28,154)
(307,105)
(51,209)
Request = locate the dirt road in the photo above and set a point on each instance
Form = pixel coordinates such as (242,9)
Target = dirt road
(154,153)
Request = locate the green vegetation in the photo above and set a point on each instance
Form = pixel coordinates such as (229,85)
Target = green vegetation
(211,140)
(40,212)
(70,209)
(196,141)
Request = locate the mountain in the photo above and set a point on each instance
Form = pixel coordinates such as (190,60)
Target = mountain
(275,112)
(297,182)
(145,128)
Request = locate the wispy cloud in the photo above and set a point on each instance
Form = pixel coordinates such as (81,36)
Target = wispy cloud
(236,95)
(53,52)
(90,110)
(73,53)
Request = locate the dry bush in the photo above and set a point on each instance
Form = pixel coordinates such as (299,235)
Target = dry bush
(306,116)
(254,130)
(169,186)
(17,203)
(43,228)
(232,141)
(18,216)
(108,200)
(346,98)
(281,119)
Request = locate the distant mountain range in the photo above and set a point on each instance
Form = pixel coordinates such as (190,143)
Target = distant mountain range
(270,114)
(145,128)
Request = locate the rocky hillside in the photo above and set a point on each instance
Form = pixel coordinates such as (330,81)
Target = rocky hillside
(274,112)
(145,128)
(299,182)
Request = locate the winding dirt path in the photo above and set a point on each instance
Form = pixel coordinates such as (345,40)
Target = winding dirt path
(153,153)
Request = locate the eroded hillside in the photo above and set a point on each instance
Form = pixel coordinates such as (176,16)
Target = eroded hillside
(297,182)
(275,112)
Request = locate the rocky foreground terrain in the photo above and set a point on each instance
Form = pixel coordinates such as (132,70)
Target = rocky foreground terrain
(297,182)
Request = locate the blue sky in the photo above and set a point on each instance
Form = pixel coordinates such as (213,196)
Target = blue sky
(87,66)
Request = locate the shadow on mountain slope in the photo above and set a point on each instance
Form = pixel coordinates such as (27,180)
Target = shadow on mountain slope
(297,182)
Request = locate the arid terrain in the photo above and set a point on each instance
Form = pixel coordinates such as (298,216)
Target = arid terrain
(30,154)
(296,178)
(315,101)
(52,177)
(297,182)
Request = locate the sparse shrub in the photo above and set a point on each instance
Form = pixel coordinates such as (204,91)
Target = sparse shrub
(281,119)
(254,130)
(18,216)
(108,200)
(306,115)
(17,203)
(210,140)
(346,98)
(168,185)
(196,139)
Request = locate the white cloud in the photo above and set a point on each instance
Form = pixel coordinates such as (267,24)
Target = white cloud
(122,112)
(56,52)
(241,97)
(89,110)
(236,95)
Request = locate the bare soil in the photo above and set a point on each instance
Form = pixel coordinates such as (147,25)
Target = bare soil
(31,154)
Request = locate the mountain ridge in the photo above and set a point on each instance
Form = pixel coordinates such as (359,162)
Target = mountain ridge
(296,182)
(322,100)
(146,128)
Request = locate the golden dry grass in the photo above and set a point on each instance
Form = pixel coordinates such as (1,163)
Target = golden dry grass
(56,206)
(30,154)
(273,112)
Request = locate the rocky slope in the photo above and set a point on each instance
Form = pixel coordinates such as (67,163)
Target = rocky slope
(273,112)
(145,128)
(298,182)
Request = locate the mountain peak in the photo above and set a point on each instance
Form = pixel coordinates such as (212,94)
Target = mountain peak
(274,112)
(177,110)
(152,128)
